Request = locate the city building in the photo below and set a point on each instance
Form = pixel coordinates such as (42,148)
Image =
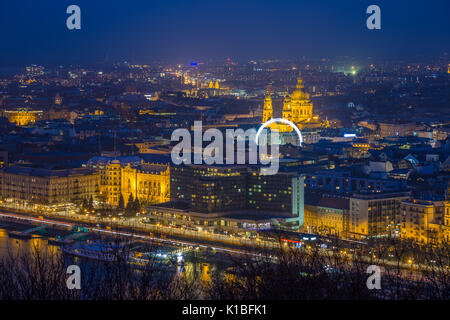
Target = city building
(397,129)
(131,177)
(446,222)
(297,108)
(427,222)
(43,186)
(344,182)
(232,195)
(58,99)
(328,216)
(376,215)
(22,116)
(422,221)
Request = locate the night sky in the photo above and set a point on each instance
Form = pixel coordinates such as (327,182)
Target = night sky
(181,31)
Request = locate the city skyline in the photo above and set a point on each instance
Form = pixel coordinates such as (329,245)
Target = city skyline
(224,150)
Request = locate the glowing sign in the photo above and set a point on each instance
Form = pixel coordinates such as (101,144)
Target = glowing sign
(349,135)
(267,123)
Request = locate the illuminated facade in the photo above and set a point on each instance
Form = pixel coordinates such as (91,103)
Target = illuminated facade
(149,182)
(268,109)
(297,108)
(43,186)
(375,214)
(446,222)
(330,216)
(427,222)
(23,117)
(214,85)
(422,220)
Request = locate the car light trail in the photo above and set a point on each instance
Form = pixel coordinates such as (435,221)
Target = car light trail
(126,234)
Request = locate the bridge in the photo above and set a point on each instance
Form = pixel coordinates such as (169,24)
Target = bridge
(27,234)
(71,237)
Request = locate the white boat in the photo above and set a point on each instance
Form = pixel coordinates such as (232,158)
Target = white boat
(111,253)
(97,251)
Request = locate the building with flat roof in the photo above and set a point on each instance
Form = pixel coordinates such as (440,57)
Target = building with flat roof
(375,214)
(422,221)
(179,214)
(328,216)
(44,186)
(237,191)
(343,182)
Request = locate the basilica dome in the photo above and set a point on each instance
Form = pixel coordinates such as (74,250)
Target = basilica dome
(298,93)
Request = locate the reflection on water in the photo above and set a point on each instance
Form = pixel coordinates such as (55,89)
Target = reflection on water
(11,245)
(206,272)
(195,265)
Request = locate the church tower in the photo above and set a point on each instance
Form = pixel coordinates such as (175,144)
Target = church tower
(287,111)
(298,107)
(267,110)
(58,99)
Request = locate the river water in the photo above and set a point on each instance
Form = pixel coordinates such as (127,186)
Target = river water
(195,265)
(10,245)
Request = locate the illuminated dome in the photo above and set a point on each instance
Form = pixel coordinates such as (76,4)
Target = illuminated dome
(297,108)
(298,93)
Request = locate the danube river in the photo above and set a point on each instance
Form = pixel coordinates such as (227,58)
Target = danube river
(196,263)
(10,245)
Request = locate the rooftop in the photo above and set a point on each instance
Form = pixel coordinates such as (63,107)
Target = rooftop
(45,173)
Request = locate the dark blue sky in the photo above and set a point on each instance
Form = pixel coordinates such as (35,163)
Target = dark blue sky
(141,31)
